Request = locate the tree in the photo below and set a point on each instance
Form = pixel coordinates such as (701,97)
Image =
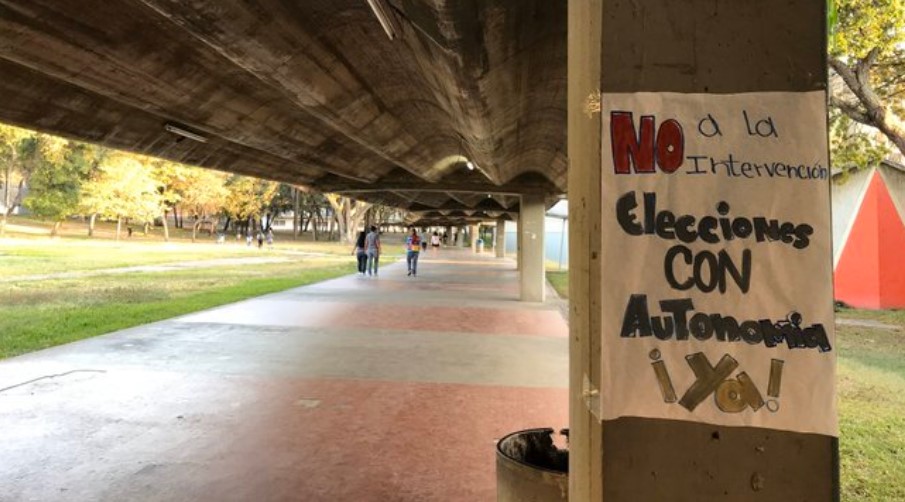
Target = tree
(55,187)
(10,140)
(314,204)
(170,177)
(21,152)
(248,198)
(282,201)
(123,187)
(867,59)
(350,215)
(203,194)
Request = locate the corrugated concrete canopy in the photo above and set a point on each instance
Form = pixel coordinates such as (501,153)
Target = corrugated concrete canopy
(309,92)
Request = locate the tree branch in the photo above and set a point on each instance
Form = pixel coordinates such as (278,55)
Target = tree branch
(851,110)
(874,113)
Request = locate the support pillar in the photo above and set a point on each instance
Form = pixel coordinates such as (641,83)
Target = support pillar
(462,238)
(474,232)
(697,49)
(531,227)
(518,243)
(500,244)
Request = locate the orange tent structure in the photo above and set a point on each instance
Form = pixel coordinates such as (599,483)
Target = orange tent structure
(869,237)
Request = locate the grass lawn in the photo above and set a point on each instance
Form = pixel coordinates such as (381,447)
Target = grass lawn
(871,388)
(40,314)
(871,393)
(560,282)
(36,314)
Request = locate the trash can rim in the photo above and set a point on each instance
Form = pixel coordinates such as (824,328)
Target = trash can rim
(501,453)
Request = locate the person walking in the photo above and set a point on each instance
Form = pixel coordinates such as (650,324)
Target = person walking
(413,249)
(361,253)
(435,241)
(372,248)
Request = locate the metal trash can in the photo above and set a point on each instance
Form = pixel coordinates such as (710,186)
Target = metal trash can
(530,468)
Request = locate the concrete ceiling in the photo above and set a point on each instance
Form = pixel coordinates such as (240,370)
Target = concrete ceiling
(310,92)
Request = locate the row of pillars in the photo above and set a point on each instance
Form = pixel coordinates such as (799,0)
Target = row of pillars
(530,259)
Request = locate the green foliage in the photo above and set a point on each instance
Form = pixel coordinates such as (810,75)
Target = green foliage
(123,187)
(10,139)
(199,192)
(832,17)
(55,188)
(248,197)
(867,55)
(863,25)
(853,147)
(66,178)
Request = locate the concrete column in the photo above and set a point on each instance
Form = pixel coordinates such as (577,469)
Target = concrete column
(531,227)
(518,243)
(585,431)
(462,238)
(500,244)
(694,49)
(474,232)
(449,236)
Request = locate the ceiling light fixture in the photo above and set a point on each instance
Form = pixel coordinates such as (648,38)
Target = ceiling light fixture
(386,18)
(179,131)
(470,165)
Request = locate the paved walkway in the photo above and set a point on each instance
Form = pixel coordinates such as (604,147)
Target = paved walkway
(356,389)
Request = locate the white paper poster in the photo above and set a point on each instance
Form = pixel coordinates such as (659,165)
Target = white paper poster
(717,260)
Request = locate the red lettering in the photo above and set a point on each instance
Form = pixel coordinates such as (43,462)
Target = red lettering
(670,146)
(629,149)
(639,152)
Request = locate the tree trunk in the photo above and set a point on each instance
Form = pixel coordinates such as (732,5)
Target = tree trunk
(15,203)
(194,230)
(166,227)
(316,223)
(55,230)
(91,220)
(7,175)
(119,225)
(296,217)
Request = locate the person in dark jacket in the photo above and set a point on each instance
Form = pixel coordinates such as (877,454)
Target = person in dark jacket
(360,253)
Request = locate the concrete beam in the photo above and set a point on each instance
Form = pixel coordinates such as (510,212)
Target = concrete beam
(533,281)
(297,81)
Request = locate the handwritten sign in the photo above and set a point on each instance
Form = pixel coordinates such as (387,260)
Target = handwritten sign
(717,260)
